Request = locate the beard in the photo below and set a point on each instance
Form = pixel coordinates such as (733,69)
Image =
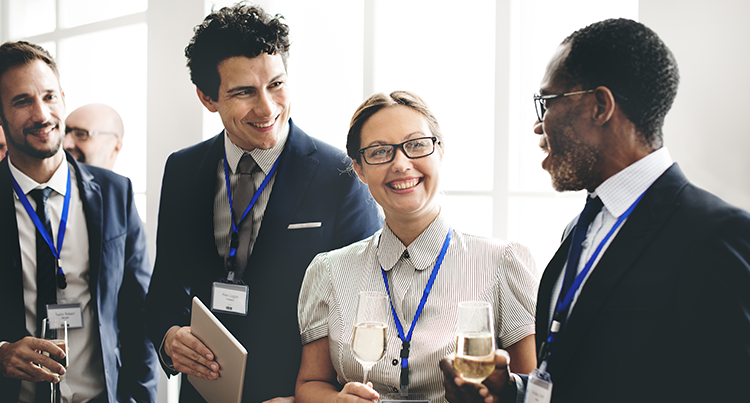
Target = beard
(572,163)
(28,149)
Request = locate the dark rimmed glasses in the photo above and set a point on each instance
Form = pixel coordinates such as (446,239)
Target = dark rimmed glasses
(384,153)
(84,135)
(540,101)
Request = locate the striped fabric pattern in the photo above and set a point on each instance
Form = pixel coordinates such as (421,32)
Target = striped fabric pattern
(474,268)
(222,215)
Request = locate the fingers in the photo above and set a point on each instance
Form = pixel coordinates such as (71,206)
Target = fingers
(20,360)
(353,391)
(500,376)
(190,356)
(289,399)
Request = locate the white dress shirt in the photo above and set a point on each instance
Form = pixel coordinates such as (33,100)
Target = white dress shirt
(617,194)
(84,379)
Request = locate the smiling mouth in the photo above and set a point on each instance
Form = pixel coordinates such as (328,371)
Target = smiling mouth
(41,131)
(264,125)
(405,184)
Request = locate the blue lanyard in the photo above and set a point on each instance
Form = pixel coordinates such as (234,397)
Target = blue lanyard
(235,231)
(41,228)
(406,339)
(564,302)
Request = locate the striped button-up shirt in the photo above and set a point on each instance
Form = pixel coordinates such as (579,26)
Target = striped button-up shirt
(222,213)
(474,268)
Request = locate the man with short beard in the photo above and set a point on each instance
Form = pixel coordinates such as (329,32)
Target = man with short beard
(656,308)
(71,246)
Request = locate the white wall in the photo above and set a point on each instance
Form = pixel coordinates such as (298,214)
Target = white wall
(707,131)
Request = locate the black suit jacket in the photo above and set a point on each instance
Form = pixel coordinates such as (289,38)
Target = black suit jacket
(119,274)
(311,186)
(665,314)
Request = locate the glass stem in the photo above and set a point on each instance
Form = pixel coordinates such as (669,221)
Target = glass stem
(366,369)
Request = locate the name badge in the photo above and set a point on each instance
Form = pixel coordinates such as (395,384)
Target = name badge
(230,298)
(397,398)
(539,389)
(61,312)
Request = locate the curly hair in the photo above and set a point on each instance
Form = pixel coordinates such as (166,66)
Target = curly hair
(377,102)
(628,58)
(239,30)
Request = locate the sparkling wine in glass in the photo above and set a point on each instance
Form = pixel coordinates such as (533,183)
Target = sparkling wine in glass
(475,341)
(369,338)
(58,337)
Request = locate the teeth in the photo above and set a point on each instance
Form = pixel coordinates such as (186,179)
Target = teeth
(405,184)
(263,125)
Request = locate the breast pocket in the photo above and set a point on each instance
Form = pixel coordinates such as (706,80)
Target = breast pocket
(304,231)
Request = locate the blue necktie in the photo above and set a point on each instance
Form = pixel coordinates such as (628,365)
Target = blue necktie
(593,206)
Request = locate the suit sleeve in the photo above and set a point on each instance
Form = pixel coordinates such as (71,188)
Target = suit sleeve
(138,376)
(168,299)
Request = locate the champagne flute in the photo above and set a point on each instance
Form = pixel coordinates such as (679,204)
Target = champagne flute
(369,338)
(58,337)
(475,341)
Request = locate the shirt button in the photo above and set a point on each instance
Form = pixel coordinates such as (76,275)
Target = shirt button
(406,254)
(394,362)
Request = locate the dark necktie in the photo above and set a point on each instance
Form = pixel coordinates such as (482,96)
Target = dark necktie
(593,206)
(243,193)
(46,286)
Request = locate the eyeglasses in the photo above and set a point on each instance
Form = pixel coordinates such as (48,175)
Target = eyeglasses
(384,153)
(540,101)
(84,135)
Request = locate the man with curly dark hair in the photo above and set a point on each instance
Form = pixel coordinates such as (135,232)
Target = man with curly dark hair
(647,299)
(263,198)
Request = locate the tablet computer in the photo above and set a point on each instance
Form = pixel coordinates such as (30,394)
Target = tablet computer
(228,352)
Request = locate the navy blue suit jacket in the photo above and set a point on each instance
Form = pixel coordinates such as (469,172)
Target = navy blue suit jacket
(119,274)
(311,186)
(665,314)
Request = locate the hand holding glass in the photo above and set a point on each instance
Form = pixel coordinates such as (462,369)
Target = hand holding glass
(475,341)
(58,337)
(369,338)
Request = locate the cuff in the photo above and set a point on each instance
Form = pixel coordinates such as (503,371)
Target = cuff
(520,388)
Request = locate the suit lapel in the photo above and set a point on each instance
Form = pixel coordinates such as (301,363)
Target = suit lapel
(204,192)
(296,169)
(635,236)
(11,269)
(544,300)
(91,197)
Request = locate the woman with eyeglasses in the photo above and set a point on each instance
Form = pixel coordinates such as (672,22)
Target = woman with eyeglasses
(416,259)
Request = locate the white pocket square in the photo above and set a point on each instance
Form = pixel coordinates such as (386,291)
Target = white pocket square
(305,225)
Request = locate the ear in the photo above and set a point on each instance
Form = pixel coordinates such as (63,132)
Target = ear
(605,105)
(206,100)
(118,146)
(358,170)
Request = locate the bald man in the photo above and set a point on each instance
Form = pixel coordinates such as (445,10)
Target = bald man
(93,135)
(3,145)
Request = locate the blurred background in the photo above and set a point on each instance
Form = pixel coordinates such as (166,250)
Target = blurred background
(476,63)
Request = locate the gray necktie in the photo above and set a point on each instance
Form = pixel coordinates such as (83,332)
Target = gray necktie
(241,197)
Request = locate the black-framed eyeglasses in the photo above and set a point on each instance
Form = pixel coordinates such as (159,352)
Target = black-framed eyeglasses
(540,101)
(84,135)
(384,153)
